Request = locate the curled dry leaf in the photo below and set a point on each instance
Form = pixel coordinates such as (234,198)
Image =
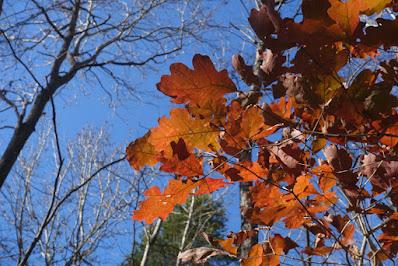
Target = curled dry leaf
(200,255)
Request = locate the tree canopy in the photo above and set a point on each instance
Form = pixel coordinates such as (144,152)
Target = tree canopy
(318,125)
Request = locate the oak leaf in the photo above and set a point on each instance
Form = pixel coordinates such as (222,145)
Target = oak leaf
(228,245)
(266,20)
(183,162)
(208,185)
(141,152)
(197,133)
(255,257)
(281,245)
(158,204)
(245,71)
(346,14)
(161,204)
(202,88)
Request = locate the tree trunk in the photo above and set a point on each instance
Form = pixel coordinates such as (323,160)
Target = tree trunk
(245,204)
(151,238)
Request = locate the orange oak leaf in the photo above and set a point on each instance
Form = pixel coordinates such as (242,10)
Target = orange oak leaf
(271,206)
(303,188)
(281,109)
(228,245)
(244,126)
(281,245)
(240,172)
(327,180)
(253,126)
(158,204)
(209,185)
(202,88)
(197,133)
(140,153)
(255,257)
(247,171)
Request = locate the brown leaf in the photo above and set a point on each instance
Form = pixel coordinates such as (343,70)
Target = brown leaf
(346,228)
(200,255)
(341,162)
(266,20)
(383,167)
(269,61)
(318,144)
(317,10)
(290,155)
(241,236)
(245,71)
(318,251)
(293,85)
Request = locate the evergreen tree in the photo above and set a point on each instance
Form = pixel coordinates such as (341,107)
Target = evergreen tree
(207,216)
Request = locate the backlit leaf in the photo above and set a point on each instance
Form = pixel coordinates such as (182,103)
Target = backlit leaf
(228,245)
(255,257)
(159,204)
(197,133)
(141,152)
(202,88)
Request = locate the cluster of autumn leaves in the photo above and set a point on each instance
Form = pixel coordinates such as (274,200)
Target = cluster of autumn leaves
(332,164)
